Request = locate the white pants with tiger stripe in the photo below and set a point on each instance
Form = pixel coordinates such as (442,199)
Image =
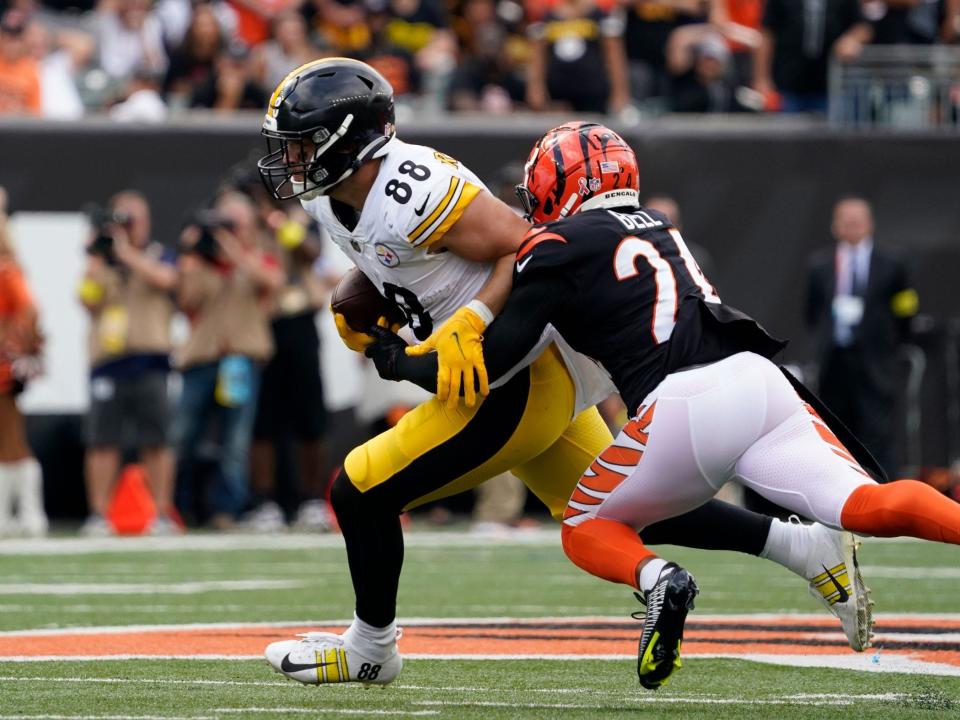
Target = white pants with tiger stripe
(736,419)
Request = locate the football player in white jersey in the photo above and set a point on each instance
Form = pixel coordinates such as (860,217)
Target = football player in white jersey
(433,239)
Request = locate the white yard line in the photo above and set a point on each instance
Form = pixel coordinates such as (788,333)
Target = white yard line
(571,621)
(593,693)
(548,536)
(82,608)
(142,681)
(865,662)
(819,700)
(228,542)
(103,658)
(910,572)
(107,717)
(181,588)
(325,711)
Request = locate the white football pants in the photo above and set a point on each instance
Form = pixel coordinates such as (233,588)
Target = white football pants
(736,419)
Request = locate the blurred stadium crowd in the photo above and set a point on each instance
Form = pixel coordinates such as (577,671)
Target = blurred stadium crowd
(205,382)
(143,60)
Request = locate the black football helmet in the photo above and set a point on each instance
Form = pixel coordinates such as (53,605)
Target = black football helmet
(325,119)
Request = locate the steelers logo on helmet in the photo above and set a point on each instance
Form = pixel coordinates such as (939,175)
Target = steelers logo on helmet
(575,167)
(323,121)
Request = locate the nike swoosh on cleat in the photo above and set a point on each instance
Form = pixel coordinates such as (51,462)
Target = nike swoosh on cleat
(288,666)
(419,210)
(844,595)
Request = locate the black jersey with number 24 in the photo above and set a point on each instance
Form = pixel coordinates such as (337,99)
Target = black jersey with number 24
(621,287)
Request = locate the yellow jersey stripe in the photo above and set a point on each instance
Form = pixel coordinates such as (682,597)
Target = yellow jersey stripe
(467,195)
(432,218)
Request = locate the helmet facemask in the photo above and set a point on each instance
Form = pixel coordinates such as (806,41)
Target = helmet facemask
(528,201)
(324,120)
(321,161)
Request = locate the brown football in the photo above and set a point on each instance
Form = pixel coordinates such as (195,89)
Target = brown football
(359,301)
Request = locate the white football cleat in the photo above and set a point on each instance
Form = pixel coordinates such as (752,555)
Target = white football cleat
(321,658)
(835,580)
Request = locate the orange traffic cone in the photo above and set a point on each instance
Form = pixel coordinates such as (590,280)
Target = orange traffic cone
(131,509)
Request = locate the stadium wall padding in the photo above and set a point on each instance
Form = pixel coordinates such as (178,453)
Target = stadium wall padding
(756,196)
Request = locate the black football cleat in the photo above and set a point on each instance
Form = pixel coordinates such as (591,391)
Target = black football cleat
(668,603)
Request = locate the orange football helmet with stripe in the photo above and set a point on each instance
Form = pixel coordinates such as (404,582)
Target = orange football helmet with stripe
(578,166)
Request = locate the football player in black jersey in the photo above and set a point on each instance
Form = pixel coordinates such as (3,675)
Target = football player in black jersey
(707,404)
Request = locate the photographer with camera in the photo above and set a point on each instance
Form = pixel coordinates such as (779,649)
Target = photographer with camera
(127,290)
(227,288)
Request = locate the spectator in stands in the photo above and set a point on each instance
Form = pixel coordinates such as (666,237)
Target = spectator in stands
(59,55)
(290,47)
(21,480)
(739,23)
(341,26)
(254,18)
(395,63)
(143,103)
(859,304)
(126,290)
(903,22)
(290,411)
(577,59)
(191,64)
(698,60)
(19,75)
(227,288)
(798,41)
(130,38)
(175,17)
(231,85)
(649,24)
(950,25)
(420,29)
(489,77)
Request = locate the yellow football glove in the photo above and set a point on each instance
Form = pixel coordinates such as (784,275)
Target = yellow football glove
(357,341)
(459,348)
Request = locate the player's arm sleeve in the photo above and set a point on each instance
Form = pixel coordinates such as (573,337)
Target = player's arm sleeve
(437,202)
(509,338)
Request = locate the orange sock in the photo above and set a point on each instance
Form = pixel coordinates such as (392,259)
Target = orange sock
(904,507)
(605,548)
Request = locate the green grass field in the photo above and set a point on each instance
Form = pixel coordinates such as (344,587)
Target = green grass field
(297,579)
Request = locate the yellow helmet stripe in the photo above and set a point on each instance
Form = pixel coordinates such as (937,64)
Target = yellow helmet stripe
(272,108)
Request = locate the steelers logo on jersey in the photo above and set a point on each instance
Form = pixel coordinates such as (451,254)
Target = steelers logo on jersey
(386,256)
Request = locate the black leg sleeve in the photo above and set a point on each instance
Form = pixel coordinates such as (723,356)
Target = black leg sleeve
(371,530)
(715,525)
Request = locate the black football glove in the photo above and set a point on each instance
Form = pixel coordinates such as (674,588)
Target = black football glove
(386,350)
